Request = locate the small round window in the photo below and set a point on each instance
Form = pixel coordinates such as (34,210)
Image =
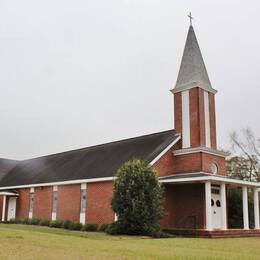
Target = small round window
(212,202)
(214,168)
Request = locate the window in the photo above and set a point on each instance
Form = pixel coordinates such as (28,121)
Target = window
(83,201)
(31,200)
(214,168)
(54,201)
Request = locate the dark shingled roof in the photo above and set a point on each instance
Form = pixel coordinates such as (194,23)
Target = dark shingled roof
(91,162)
(5,166)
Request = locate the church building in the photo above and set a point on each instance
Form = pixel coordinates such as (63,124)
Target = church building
(78,185)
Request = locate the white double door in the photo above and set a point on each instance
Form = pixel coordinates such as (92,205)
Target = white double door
(216,208)
(11,213)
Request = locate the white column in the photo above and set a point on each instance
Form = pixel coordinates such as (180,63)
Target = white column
(245,207)
(256,208)
(223,206)
(208,205)
(3,209)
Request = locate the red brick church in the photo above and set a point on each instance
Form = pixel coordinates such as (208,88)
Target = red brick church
(77,185)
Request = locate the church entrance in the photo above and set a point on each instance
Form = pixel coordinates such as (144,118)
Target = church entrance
(216,207)
(11,213)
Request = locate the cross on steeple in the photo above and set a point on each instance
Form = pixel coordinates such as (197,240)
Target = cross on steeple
(191,18)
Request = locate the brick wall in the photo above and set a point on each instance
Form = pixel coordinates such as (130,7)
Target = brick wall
(177,112)
(184,206)
(68,205)
(165,165)
(208,159)
(187,163)
(22,206)
(194,117)
(99,196)
(212,114)
(42,202)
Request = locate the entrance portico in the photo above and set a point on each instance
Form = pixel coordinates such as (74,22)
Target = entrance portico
(215,202)
(9,205)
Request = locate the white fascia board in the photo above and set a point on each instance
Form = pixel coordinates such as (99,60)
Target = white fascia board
(212,178)
(8,194)
(200,150)
(194,85)
(158,157)
(59,183)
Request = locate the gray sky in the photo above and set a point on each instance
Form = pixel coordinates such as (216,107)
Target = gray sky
(78,73)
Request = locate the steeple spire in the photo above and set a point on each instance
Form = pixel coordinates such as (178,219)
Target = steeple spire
(192,71)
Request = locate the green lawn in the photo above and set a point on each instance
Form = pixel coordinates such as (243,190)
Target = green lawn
(31,242)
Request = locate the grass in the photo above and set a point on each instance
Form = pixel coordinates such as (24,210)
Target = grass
(34,242)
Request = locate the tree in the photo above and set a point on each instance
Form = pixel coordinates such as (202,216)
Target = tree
(245,164)
(137,199)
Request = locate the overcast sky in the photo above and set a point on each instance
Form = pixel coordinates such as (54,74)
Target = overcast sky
(78,73)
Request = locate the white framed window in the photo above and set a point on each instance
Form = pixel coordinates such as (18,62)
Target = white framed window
(31,202)
(54,200)
(83,201)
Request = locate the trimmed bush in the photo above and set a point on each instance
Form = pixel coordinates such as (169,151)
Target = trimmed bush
(137,199)
(12,221)
(103,227)
(75,226)
(26,221)
(66,224)
(90,227)
(56,223)
(44,222)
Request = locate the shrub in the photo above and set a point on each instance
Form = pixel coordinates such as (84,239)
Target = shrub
(137,199)
(13,221)
(75,226)
(25,221)
(90,227)
(56,223)
(44,222)
(103,227)
(66,224)
(18,221)
(34,221)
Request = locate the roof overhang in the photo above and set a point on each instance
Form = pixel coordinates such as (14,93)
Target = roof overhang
(158,157)
(190,85)
(203,177)
(8,193)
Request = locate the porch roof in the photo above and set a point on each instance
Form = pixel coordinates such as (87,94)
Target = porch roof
(202,177)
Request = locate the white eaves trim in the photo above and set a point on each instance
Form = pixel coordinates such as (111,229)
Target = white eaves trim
(213,179)
(199,150)
(3,193)
(191,85)
(165,150)
(59,183)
